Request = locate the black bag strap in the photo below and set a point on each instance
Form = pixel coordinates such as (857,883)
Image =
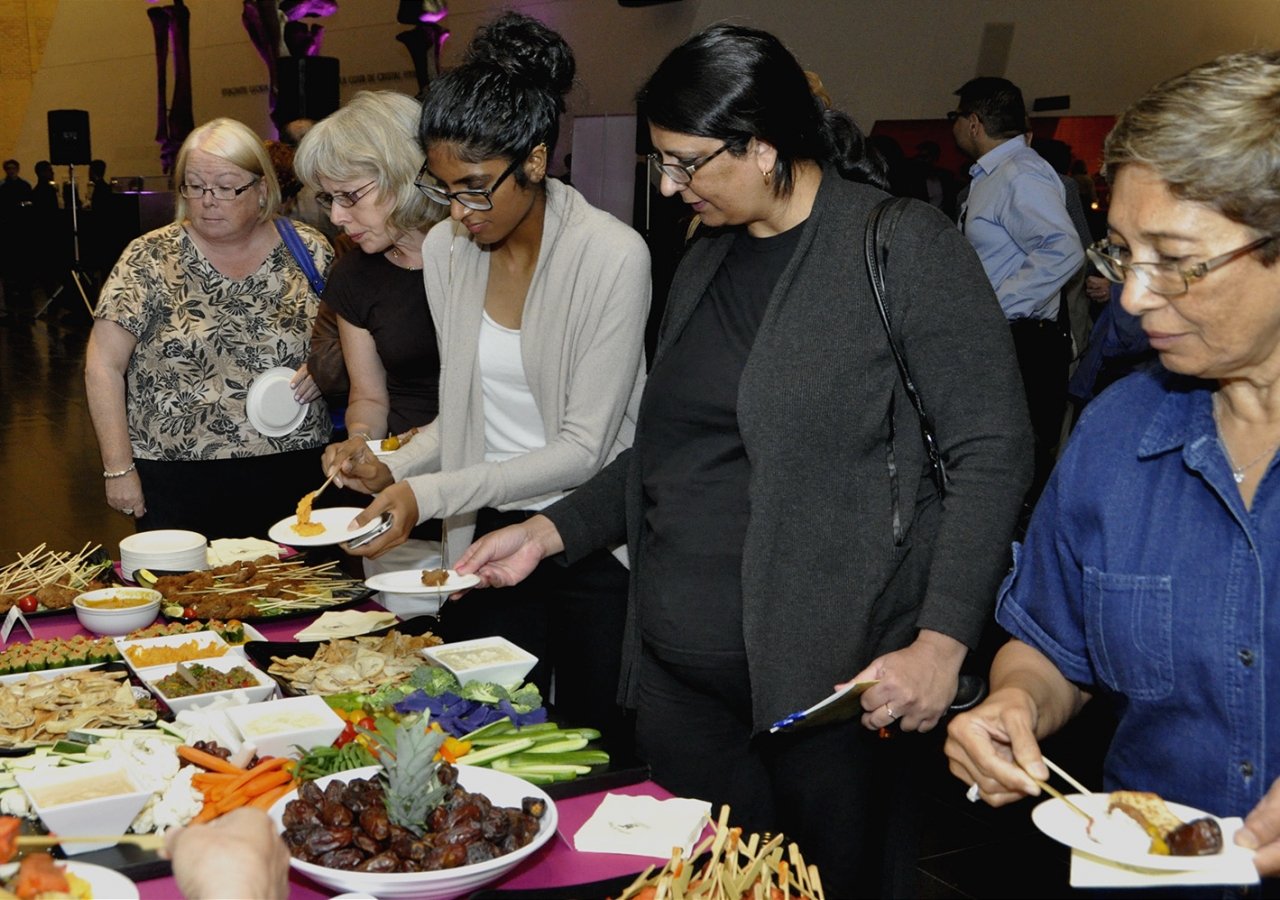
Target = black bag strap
(293,241)
(880,227)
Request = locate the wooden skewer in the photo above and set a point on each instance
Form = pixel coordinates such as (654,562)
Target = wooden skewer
(145,841)
(328,481)
(1062,773)
(1053,791)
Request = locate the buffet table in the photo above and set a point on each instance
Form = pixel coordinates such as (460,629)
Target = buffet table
(555,865)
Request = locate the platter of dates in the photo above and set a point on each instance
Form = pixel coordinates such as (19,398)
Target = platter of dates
(487,823)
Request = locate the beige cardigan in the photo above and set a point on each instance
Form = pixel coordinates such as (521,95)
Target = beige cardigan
(582,344)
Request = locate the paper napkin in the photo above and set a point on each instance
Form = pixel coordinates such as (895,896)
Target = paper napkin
(345,623)
(643,826)
(1236,867)
(228,550)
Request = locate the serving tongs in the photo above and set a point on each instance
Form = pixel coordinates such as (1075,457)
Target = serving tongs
(1054,792)
(42,841)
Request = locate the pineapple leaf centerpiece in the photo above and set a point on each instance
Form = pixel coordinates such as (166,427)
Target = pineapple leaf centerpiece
(411,773)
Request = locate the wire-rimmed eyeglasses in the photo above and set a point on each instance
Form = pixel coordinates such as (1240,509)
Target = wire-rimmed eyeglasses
(345,199)
(195,191)
(1162,277)
(479,199)
(682,173)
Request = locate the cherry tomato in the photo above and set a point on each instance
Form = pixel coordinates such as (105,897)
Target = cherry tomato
(29,603)
(190,612)
(348,735)
(368,723)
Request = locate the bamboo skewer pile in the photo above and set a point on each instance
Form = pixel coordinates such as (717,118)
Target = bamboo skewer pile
(41,567)
(734,870)
(271,586)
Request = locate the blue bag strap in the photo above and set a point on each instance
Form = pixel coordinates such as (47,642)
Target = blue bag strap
(293,241)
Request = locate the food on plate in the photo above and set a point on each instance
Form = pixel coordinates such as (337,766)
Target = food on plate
(354,664)
(395,441)
(197,679)
(52,577)
(736,867)
(413,818)
(274,723)
(227,787)
(142,657)
(435,577)
(304,527)
(1169,835)
(55,653)
(462,658)
(47,708)
(231,631)
(120,601)
(77,789)
(264,587)
(39,877)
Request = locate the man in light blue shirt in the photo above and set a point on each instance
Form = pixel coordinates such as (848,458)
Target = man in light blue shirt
(1016,218)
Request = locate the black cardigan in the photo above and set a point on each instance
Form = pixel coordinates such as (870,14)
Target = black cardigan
(825,587)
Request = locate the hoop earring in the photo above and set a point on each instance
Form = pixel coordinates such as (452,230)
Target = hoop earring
(768,176)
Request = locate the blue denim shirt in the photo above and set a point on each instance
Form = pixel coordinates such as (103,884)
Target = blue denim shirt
(1143,576)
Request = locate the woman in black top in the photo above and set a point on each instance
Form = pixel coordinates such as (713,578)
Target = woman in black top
(784,533)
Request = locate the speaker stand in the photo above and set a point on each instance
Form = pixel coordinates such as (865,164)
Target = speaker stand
(78,274)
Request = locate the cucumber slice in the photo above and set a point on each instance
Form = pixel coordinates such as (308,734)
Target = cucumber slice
(489,754)
(559,746)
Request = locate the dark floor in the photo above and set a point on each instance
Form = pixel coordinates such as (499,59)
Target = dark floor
(52,492)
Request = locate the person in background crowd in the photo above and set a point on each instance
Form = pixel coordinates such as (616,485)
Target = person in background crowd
(189,317)
(540,303)
(784,530)
(360,162)
(1016,218)
(15,214)
(1148,569)
(305,207)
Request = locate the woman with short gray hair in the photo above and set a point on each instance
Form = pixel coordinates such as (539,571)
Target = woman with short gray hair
(1146,573)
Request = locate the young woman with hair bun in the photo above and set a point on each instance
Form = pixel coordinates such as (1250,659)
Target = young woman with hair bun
(540,302)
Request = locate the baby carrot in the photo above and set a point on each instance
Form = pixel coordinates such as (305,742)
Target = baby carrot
(208,760)
(265,800)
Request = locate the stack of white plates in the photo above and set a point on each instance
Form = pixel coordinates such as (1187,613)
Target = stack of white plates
(166,551)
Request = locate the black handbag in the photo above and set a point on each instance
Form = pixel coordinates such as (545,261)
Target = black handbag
(880,227)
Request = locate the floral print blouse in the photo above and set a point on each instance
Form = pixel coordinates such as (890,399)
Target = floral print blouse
(203,338)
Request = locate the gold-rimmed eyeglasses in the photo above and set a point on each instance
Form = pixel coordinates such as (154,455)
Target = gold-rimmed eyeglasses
(1162,277)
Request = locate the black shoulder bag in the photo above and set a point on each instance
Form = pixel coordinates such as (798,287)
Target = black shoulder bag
(880,227)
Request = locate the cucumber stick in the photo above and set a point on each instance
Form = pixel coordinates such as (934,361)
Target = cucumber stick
(567,746)
(489,754)
(578,758)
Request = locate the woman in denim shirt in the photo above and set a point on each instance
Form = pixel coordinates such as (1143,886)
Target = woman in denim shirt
(1146,571)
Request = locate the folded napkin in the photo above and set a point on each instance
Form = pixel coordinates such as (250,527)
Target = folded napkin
(345,623)
(1234,866)
(228,550)
(643,826)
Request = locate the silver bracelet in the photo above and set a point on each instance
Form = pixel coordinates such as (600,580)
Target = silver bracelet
(121,473)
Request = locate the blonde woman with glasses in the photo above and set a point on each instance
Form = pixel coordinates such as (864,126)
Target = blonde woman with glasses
(1147,572)
(190,316)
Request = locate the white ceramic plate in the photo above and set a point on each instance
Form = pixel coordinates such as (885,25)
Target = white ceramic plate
(270,404)
(334,519)
(47,673)
(375,447)
(1055,819)
(105,884)
(502,789)
(409,581)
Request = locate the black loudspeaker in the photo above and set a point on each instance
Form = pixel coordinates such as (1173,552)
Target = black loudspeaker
(308,87)
(69,137)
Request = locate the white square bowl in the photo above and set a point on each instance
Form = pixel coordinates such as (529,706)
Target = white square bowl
(266,687)
(109,814)
(205,640)
(278,728)
(488,660)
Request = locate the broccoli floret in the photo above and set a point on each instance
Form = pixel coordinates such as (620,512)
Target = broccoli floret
(433,681)
(527,698)
(484,693)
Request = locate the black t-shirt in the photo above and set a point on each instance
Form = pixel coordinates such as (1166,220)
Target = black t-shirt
(694,464)
(389,302)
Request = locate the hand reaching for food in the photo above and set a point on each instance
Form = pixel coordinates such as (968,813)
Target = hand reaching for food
(994,747)
(356,466)
(507,556)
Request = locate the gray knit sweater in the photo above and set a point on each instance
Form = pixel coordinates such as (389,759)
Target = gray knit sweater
(825,586)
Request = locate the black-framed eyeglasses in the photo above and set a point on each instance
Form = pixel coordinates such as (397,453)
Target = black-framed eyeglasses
(195,191)
(682,173)
(480,199)
(957,114)
(345,199)
(1162,277)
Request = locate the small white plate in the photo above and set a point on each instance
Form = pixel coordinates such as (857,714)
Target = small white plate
(409,581)
(335,520)
(103,882)
(1055,819)
(375,447)
(270,404)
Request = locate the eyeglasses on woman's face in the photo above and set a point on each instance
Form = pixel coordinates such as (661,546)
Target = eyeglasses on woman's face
(1162,277)
(196,191)
(345,199)
(480,199)
(682,173)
